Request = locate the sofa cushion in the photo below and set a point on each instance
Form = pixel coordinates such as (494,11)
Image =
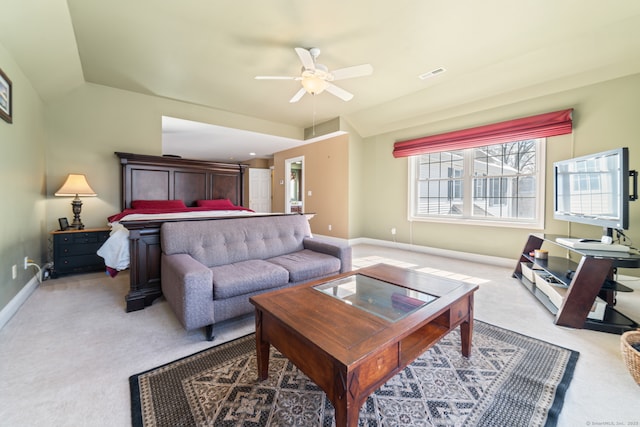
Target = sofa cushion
(306,265)
(246,276)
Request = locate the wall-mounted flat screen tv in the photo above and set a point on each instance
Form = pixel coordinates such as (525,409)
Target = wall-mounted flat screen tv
(594,189)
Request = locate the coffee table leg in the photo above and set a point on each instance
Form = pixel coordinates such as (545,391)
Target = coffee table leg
(262,349)
(347,413)
(466,329)
(341,413)
(347,408)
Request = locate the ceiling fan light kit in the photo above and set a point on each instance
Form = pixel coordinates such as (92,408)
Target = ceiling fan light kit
(316,78)
(314,85)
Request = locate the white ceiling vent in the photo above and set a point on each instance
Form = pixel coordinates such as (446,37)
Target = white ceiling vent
(432,73)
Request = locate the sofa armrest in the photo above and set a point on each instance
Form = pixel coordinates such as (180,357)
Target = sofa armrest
(338,250)
(188,287)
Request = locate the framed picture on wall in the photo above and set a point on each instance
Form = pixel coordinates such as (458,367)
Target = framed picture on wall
(5,97)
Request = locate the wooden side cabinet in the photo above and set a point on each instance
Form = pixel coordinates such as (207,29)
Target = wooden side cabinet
(74,251)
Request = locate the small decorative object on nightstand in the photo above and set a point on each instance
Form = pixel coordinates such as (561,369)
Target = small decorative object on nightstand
(76,185)
(74,251)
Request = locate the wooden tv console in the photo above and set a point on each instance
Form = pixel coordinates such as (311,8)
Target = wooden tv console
(586,274)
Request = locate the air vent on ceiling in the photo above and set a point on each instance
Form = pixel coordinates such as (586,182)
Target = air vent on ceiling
(432,73)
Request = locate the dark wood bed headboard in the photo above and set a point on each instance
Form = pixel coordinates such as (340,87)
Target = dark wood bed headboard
(169,178)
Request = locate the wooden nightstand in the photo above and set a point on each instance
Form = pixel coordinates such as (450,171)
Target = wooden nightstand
(74,251)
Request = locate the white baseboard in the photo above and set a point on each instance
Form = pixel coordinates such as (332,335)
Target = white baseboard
(332,239)
(16,302)
(466,256)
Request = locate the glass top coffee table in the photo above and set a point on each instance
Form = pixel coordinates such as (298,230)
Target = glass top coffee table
(352,333)
(384,299)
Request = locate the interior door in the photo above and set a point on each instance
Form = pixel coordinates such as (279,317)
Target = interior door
(260,189)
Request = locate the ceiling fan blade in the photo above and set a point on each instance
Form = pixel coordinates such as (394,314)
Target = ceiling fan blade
(339,92)
(299,94)
(275,78)
(306,58)
(350,72)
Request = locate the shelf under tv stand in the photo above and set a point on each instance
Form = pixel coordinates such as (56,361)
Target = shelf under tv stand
(592,276)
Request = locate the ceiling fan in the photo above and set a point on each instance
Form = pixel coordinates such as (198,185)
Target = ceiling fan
(316,78)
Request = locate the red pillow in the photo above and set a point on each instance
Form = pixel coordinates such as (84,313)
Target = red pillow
(157,204)
(220,204)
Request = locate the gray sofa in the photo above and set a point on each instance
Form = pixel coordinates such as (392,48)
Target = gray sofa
(210,268)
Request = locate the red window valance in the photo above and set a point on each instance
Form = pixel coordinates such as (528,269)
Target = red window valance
(540,126)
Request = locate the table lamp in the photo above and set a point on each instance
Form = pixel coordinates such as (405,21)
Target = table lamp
(76,185)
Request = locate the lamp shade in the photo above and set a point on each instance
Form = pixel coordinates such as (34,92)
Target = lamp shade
(75,185)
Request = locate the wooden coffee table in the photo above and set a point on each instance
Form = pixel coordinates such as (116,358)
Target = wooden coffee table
(350,334)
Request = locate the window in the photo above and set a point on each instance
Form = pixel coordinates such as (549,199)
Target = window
(500,184)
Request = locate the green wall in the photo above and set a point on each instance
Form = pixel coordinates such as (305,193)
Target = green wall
(605,117)
(22,174)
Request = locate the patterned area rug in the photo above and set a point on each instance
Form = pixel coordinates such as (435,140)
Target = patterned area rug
(510,379)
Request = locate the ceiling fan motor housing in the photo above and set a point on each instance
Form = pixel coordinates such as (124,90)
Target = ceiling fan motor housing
(321,71)
(315,52)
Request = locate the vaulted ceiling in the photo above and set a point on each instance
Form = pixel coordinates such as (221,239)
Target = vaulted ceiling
(208,52)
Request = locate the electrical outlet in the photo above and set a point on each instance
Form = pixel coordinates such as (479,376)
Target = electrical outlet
(329,227)
(14,271)
(393,231)
(26,262)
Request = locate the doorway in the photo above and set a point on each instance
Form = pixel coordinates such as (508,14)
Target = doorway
(294,185)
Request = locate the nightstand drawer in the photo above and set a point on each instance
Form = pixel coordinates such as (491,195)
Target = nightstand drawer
(78,249)
(75,251)
(79,238)
(69,264)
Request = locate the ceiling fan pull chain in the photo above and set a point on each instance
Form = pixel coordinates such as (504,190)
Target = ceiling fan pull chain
(313,128)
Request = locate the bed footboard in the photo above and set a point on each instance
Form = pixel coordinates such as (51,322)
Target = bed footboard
(145,266)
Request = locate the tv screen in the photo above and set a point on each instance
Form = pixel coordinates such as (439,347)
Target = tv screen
(594,189)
